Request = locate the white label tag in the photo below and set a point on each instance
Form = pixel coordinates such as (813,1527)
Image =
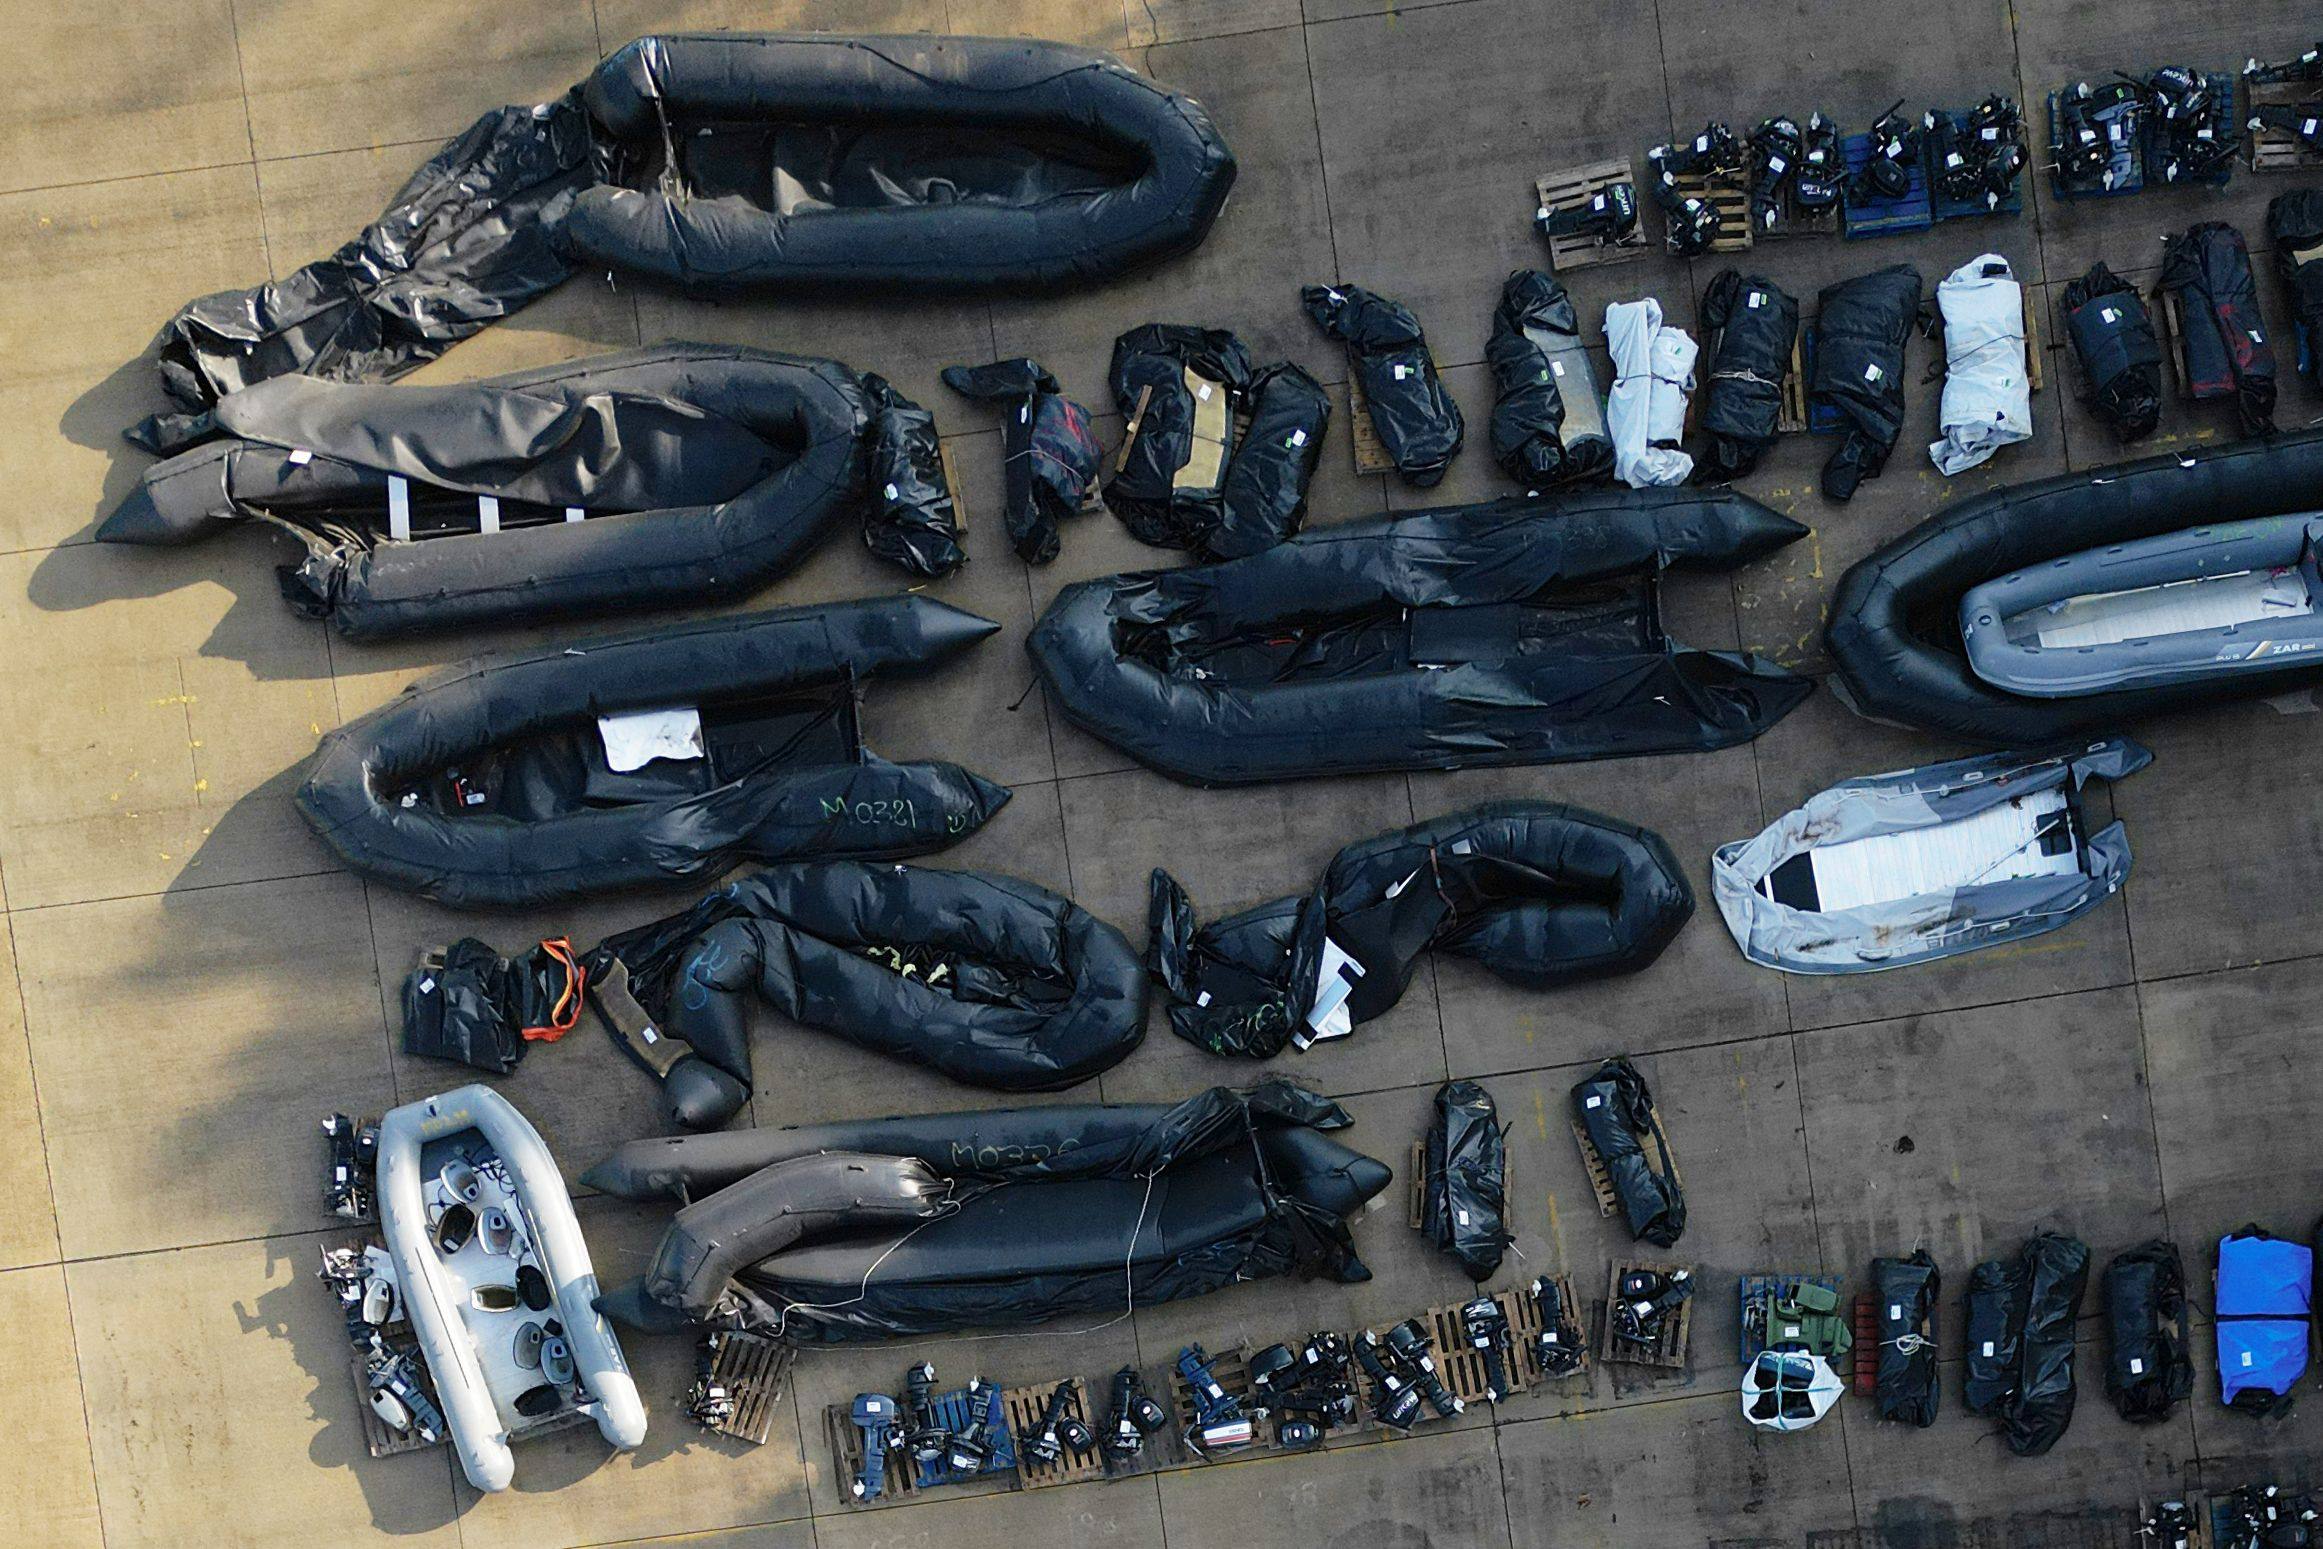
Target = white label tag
(427,986)
(2256,337)
(1895,1312)
(648,1034)
(1463,847)
(1298,438)
(301,457)
(1751,302)
(487,513)
(1202,391)
(1592,1101)
(2308,127)
(1463,1215)
(575,514)
(1776,165)
(1557,366)
(398,509)
(2108,314)
(2137,1368)
(2246,1357)
(1872,373)
(1402,371)
(892,491)
(1202,999)
(1991,133)
(1988,1349)
(1954,159)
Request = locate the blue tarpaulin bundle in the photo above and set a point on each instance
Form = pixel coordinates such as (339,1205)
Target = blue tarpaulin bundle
(2265,1291)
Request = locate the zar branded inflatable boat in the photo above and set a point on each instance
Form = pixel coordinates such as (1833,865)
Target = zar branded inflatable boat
(1523,631)
(674,476)
(2075,604)
(646,758)
(495,1277)
(724,162)
(1903,868)
(938,1222)
(994,981)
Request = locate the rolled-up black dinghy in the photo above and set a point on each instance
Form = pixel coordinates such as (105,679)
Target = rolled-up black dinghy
(1540,894)
(1521,631)
(1615,1109)
(2061,608)
(996,982)
(646,758)
(1548,417)
(681,474)
(818,163)
(936,1222)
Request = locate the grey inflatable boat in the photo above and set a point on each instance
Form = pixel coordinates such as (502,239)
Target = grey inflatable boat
(2228,599)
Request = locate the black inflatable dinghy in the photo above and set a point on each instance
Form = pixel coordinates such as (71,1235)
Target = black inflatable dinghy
(819,163)
(1522,631)
(1542,895)
(677,475)
(993,981)
(937,1222)
(2091,559)
(645,758)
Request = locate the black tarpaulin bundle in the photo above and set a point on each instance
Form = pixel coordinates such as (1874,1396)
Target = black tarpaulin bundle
(1548,418)
(1905,1292)
(1539,894)
(468,1003)
(1861,329)
(1615,1109)
(2295,232)
(677,475)
(2020,1340)
(646,758)
(2224,347)
(1045,439)
(2121,359)
(817,163)
(2149,1364)
(994,981)
(1220,450)
(1417,422)
(1755,323)
(1464,1179)
(466,241)
(993,1218)
(725,162)
(1521,631)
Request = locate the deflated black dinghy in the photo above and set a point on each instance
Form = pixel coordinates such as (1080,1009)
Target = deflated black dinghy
(1520,631)
(646,758)
(675,475)
(1543,895)
(817,163)
(993,981)
(2074,604)
(937,1222)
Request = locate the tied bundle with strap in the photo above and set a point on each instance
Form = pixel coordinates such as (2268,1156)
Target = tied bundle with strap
(1987,402)
(2020,1340)
(2120,355)
(2226,352)
(465,1002)
(1416,420)
(2149,1366)
(1464,1179)
(1615,1109)
(1653,373)
(1905,1292)
(1050,451)
(2295,232)
(1548,424)
(1861,329)
(1755,323)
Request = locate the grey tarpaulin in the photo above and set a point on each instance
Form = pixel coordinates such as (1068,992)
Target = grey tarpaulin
(994,981)
(1548,421)
(491,784)
(1894,627)
(1520,631)
(1653,372)
(1756,325)
(1987,402)
(676,475)
(1615,1109)
(464,242)
(2224,348)
(817,163)
(1861,329)
(1050,1211)
(1840,886)
(1220,450)
(1417,422)
(1464,1179)
(1051,452)
(2120,355)
(1540,894)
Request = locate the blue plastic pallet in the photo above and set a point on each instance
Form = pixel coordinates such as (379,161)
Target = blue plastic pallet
(956,1412)
(1753,1286)
(1873,217)
(1961,209)
(2128,165)
(2222,83)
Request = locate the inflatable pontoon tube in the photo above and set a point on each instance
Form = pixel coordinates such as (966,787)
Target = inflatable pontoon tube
(467,1349)
(645,758)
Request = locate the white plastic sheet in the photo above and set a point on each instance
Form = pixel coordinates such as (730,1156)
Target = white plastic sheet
(1987,398)
(1653,372)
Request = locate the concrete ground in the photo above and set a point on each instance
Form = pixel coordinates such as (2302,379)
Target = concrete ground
(195,983)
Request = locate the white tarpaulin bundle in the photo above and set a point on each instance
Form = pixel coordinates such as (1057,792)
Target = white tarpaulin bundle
(1653,371)
(1987,399)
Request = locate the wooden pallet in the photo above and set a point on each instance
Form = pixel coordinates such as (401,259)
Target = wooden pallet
(1601,1183)
(2278,150)
(1669,1349)
(1371,454)
(953,486)
(1865,217)
(1231,1366)
(1730,198)
(1129,432)
(1770,1286)
(1024,1408)
(1571,187)
(902,1476)
(754,1369)
(1462,1368)
(379,1438)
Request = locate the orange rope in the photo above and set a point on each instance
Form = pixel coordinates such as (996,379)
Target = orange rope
(566,1014)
